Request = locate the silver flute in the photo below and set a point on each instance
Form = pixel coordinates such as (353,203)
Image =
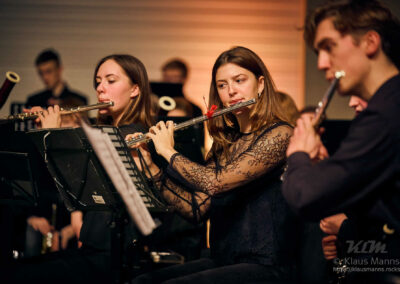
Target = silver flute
(34,115)
(193,121)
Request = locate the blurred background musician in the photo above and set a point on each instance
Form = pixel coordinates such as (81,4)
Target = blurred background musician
(63,226)
(49,67)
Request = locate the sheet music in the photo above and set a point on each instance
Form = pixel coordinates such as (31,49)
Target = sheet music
(115,169)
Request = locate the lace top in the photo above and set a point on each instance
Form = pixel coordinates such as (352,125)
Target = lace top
(241,195)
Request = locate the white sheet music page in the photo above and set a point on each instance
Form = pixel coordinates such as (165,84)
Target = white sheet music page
(118,174)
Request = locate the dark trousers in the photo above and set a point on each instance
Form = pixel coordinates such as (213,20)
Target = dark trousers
(207,271)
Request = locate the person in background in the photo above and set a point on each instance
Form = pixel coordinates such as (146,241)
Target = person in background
(176,71)
(289,106)
(49,68)
(182,109)
(357,104)
(67,225)
(182,236)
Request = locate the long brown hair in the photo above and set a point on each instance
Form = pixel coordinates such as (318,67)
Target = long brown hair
(265,112)
(138,108)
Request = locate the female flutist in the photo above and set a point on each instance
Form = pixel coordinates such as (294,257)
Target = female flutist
(239,187)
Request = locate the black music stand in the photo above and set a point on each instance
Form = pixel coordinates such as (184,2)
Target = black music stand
(85,185)
(79,175)
(17,174)
(25,184)
(167,89)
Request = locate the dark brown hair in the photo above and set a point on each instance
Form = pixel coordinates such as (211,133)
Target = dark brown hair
(138,108)
(265,112)
(48,55)
(357,17)
(177,64)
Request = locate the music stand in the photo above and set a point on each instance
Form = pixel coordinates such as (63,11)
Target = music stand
(84,183)
(78,173)
(73,165)
(167,89)
(25,183)
(22,168)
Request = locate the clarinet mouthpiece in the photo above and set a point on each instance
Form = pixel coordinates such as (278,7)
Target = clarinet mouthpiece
(340,74)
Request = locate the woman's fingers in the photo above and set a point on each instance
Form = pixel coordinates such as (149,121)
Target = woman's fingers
(170,126)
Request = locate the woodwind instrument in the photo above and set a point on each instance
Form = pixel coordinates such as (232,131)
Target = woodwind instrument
(193,121)
(11,79)
(47,241)
(323,104)
(34,115)
(340,268)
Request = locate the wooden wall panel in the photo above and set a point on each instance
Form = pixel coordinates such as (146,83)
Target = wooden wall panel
(83,31)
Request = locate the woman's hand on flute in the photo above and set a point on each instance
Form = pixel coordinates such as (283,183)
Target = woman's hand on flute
(50,118)
(162,135)
(144,150)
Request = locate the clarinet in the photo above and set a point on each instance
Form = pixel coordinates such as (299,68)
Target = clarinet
(323,104)
(340,268)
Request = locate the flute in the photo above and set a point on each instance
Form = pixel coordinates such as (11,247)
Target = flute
(34,115)
(323,104)
(193,121)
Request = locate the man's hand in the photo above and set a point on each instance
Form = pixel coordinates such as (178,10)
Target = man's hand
(331,225)
(67,233)
(306,139)
(329,247)
(40,224)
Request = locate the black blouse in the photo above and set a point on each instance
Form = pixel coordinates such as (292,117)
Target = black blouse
(250,221)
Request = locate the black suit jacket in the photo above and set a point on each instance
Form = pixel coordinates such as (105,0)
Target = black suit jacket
(363,177)
(67,97)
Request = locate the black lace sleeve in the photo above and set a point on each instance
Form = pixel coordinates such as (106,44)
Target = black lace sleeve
(249,160)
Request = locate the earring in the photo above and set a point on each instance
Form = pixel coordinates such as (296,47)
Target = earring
(259,95)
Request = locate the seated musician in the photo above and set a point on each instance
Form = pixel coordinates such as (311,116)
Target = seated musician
(123,80)
(362,177)
(239,187)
